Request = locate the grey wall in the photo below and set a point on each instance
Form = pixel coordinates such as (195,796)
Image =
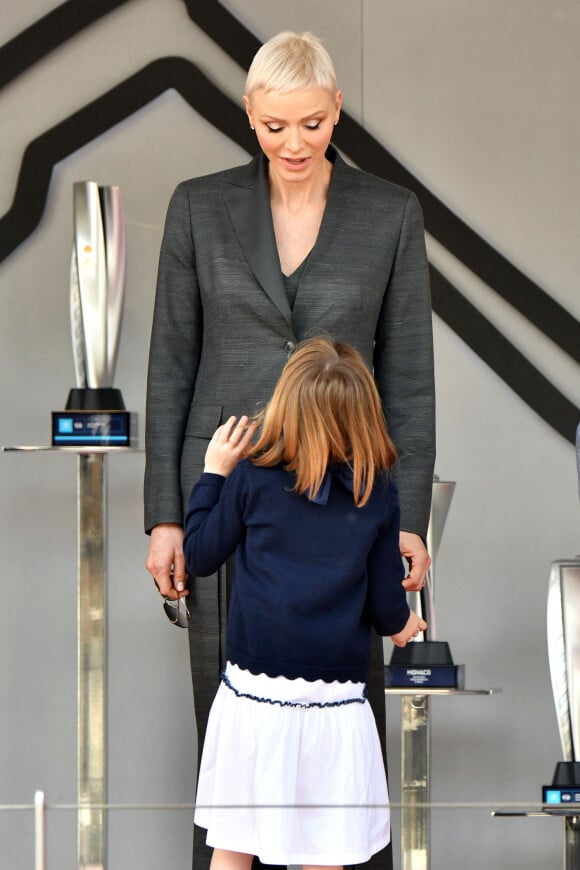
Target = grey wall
(480,101)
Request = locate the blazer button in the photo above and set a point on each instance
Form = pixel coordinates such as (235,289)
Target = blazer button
(289,346)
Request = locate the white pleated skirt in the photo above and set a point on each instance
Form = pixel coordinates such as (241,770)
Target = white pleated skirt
(292,771)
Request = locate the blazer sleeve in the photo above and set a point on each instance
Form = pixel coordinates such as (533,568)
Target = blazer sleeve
(403,367)
(173,363)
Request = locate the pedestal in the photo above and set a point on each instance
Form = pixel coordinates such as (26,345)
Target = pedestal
(572,842)
(415,782)
(92,659)
(416,771)
(91,647)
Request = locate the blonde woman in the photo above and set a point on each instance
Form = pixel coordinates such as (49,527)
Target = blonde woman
(255,259)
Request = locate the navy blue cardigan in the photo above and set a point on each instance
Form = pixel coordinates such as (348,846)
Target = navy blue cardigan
(311,579)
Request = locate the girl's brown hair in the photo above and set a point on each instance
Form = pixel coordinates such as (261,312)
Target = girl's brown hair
(325,408)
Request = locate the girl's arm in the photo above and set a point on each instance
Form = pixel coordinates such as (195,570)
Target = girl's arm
(412,628)
(386,603)
(214,523)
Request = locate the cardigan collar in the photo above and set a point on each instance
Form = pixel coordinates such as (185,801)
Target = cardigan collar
(338,471)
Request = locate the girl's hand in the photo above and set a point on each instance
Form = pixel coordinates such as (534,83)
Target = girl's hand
(228,444)
(414,625)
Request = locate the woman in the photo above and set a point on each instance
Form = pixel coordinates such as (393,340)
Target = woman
(294,244)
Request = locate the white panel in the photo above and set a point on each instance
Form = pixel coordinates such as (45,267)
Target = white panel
(480,101)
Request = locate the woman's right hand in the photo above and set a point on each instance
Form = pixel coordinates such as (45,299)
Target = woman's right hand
(165,561)
(414,625)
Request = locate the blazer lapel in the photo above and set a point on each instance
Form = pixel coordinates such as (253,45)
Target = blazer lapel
(337,205)
(247,198)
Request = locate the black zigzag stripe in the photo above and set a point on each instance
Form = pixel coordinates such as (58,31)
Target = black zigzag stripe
(99,116)
(227,116)
(72,16)
(494,269)
(503,358)
(48,33)
(479,256)
(467,246)
(533,302)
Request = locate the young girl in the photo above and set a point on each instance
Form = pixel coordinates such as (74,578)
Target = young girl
(292,769)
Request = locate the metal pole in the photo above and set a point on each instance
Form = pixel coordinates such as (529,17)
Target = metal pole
(572,843)
(92,527)
(39,842)
(415,761)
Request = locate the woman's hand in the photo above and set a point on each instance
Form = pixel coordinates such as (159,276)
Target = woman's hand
(414,625)
(165,560)
(228,444)
(418,559)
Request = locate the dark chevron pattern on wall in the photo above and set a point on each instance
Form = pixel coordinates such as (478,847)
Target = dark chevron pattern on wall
(440,222)
(49,33)
(100,115)
(205,98)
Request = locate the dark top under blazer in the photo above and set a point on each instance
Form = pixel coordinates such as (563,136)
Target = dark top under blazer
(222,322)
(310,578)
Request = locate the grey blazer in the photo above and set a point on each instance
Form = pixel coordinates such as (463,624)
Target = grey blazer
(222,325)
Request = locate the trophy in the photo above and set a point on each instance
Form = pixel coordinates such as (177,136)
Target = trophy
(564,658)
(95,413)
(427,662)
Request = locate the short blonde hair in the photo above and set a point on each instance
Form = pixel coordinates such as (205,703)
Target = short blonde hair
(325,408)
(289,61)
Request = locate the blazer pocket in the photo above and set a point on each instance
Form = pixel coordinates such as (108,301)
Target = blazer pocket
(203,420)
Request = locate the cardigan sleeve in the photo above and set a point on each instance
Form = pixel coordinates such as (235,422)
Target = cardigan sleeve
(214,525)
(386,603)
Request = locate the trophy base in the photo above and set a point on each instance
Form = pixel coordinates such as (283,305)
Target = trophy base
(565,788)
(427,664)
(94,418)
(95,399)
(567,773)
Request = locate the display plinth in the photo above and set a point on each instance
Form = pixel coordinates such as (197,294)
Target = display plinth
(91,646)
(94,417)
(564,790)
(416,770)
(94,429)
(425,664)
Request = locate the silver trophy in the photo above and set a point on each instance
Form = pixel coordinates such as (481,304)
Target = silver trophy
(97,291)
(564,658)
(428,662)
(95,414)
(564,654)
(563,630)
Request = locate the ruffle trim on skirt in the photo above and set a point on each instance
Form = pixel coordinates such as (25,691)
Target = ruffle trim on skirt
(345,693)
